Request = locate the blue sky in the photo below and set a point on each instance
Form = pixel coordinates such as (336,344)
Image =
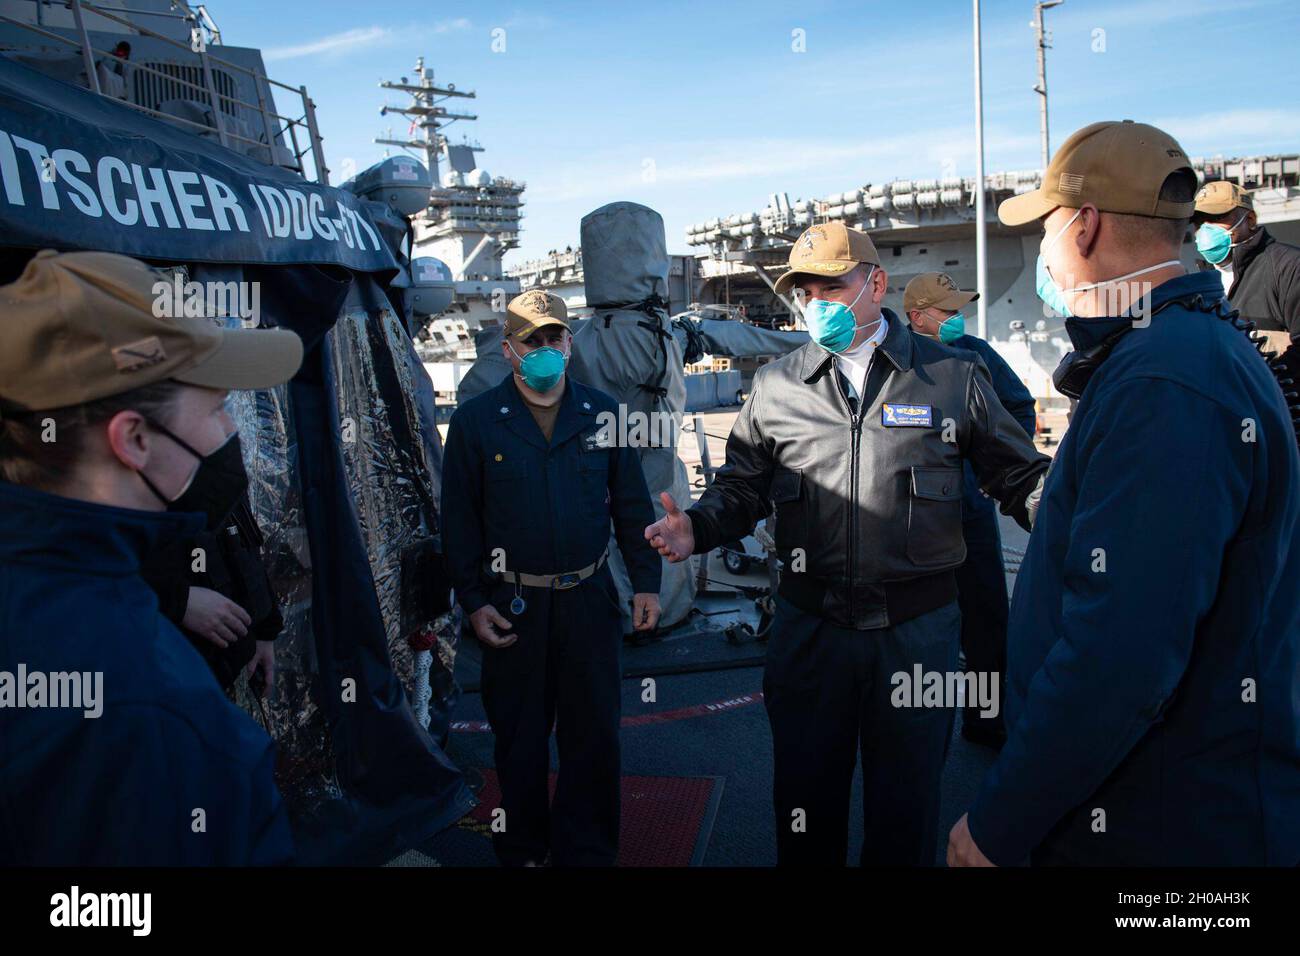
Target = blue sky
(702,109)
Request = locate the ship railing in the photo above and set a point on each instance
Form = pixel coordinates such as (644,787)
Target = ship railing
(274,125)
(557,262)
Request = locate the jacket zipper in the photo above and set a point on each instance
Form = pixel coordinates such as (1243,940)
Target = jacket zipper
(855,420)
(853,511)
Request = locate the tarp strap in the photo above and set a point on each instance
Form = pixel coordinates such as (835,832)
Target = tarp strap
(661,336)
(694,340)
(650,305)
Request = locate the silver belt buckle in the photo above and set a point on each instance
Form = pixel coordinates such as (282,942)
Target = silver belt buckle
(562,582)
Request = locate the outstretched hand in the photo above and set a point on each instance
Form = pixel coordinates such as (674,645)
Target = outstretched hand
(672,535)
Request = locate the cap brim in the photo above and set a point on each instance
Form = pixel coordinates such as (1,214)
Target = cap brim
(1018,210)
(524,331)
(835,267)
(247,358)
(956,300)
(1214,209)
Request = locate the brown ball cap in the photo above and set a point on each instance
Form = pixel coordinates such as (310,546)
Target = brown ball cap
(81,326)
(935,290)
(1218,198)
(533,310)
(1119,167)
(829,249)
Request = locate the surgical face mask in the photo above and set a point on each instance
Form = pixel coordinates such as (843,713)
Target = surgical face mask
(541,368)
(1053,295)
(1044,284)
(952,328)
(832,325)
(1214,242)
(216,485)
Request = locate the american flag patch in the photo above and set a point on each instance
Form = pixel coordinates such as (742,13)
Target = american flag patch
(1070,183)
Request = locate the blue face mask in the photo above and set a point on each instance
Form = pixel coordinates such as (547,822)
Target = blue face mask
(1044,284)
(541,368)
(1214,242)
(1053,295)
(832,325)
(952,328)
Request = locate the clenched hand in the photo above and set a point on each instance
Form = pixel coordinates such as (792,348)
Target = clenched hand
(645,611)
(486,622)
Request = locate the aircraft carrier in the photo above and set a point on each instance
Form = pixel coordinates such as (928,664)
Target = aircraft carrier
(918,225)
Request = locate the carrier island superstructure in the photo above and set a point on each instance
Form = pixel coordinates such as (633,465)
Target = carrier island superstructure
(472,219)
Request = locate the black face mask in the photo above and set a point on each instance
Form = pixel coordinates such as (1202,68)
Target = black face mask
(217,485)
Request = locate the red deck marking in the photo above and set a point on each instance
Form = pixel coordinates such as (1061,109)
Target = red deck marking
(469,726)
(696,710)
(661,824)
(639,720)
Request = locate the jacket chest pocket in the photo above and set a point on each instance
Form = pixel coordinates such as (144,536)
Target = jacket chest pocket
(499,474)
(791,512)
(593,480)
(934,535)
(506,489)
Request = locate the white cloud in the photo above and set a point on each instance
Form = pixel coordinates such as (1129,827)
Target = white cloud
(1239,130)
(774,163)
(528,21)
(348,40)
(447,26)
(1150,13)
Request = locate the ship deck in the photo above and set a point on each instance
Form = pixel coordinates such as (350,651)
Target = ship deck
(697,762)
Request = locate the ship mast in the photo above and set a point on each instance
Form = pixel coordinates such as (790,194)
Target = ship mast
(471,219)
(1044,45)
(426,114)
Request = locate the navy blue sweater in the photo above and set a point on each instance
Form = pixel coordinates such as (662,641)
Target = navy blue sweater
(125,787)
(1154,639)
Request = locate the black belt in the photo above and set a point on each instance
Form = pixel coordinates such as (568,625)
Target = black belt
(874,605)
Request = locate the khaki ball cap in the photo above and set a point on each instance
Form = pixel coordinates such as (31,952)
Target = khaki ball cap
(1118,166)
(80,326)
(935,290)
(1218,198)
(533,310)
(829,249)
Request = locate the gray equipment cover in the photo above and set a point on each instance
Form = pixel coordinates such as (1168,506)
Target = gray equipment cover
(489,367)
(738,340)
(625,261)
(624,255)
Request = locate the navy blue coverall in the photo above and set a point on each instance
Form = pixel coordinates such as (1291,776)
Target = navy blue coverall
(545,508)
